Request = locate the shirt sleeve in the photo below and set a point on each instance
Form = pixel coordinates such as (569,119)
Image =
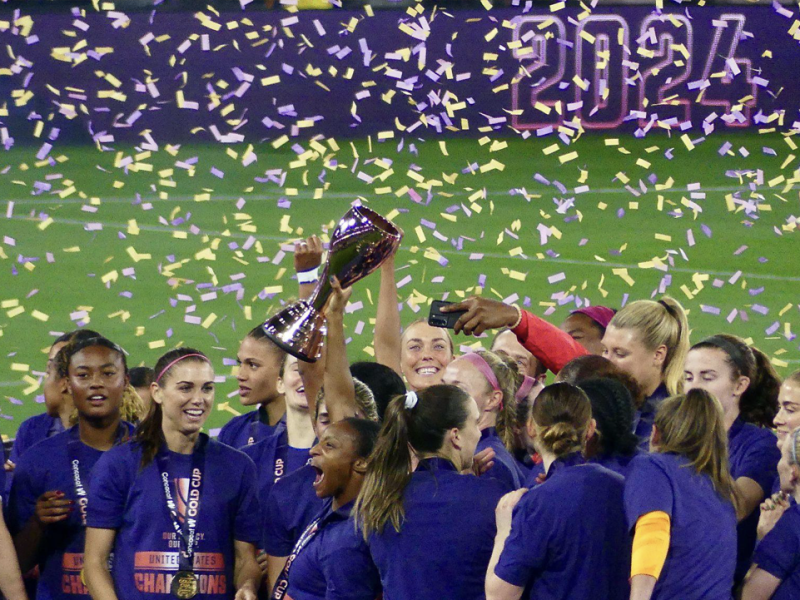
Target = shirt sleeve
(779,552)
(26,488)
(647,489)
(247,522)
(551,346)
(278,539)
(108,492)
(761,463)
(349,571)
(526,548)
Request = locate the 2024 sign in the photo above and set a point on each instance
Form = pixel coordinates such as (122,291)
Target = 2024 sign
(605,81)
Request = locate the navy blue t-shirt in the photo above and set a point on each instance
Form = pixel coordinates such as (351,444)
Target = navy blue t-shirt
(645,416)
(335,564)
(274,459)
(505,469)
(569,539)
(125,497)
(754,454)
(249,428)
(779,554)
(702,548)
(47,466)
(616,462)
(32,431)
(447,535)
(291,506)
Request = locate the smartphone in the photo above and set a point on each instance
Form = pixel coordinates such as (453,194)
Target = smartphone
(439,319)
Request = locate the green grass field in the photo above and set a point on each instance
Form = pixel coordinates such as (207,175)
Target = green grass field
(144,256)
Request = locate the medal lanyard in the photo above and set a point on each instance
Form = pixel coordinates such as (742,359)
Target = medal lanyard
(73,453)
(282,583)
(187,532)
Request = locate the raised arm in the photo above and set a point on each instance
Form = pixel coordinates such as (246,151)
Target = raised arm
(387,322)
(307,259)
(340,392)
(99,543)
(551,346)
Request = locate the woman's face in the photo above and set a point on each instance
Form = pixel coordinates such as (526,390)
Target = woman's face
(508,344)
(333,458)
(291,384)
(708,369)
(585,331)
(625,349)
(788,417)
(186,396)
(323,419)
(466,376)
(97,379)
(425,352)
(787,472)
(259,369)
(54,385)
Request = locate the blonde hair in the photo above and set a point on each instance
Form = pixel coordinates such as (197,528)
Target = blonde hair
(365,401)
(562,414)
(692,426)
(661,323)
(507,373)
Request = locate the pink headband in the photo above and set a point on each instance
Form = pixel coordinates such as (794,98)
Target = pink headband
(477,361)
(525,388)
(177,360)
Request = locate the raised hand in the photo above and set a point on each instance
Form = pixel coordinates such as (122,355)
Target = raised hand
(307,254)
(482,314)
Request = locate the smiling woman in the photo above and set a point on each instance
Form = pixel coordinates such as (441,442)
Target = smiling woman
(47,509)
(143,496)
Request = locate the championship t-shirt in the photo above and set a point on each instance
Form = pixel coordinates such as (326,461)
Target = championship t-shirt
(131,500)
(48,466)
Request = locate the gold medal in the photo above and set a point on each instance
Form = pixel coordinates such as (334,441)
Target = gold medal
(83,577)
(184,585)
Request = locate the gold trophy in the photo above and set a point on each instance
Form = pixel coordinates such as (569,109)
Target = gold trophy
(362,240)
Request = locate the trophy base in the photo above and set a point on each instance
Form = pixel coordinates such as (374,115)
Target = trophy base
(298,329)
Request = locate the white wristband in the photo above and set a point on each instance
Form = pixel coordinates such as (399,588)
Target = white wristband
(310,276)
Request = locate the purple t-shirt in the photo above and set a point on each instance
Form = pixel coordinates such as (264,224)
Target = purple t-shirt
(274,459)
(131,500)
(447,535)
(779,554)
(335,564)
(568,539)
(753,453)
(505,469)
(47,466)
(702,548)
(291,506)
(249,428)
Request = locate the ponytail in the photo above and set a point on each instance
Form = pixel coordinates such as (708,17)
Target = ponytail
(759,402)
(692,426)
(414,422)
(561,414)
(661,323)
(149,434)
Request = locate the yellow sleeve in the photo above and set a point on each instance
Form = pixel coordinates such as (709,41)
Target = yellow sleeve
(650,544)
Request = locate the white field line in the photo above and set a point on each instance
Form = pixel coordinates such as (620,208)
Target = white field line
(446,252)
(309,194)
